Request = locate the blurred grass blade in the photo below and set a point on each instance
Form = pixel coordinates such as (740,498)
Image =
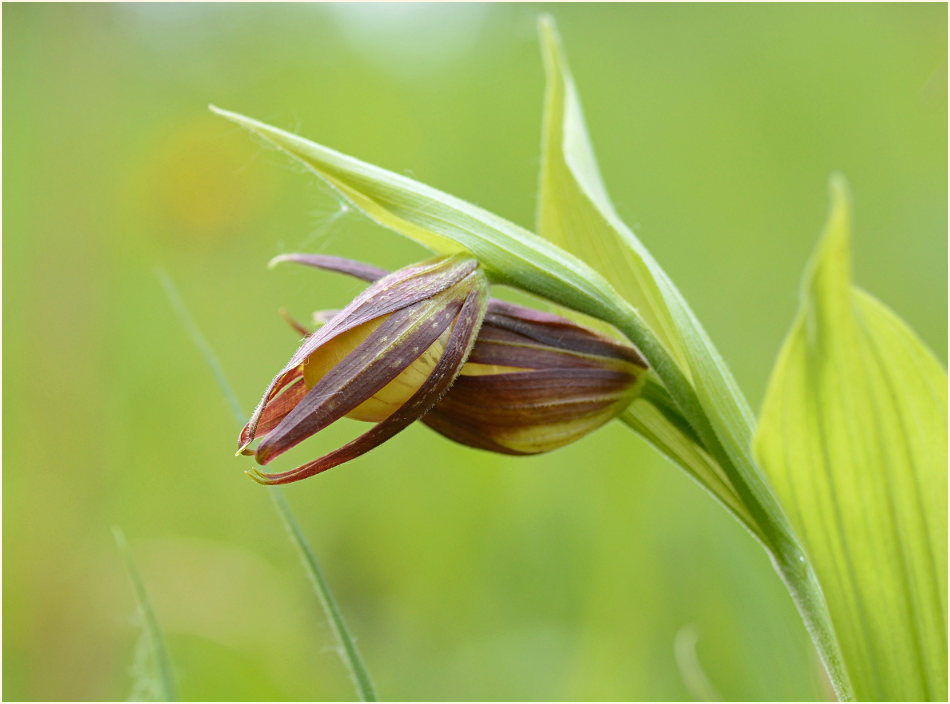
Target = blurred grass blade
(346,646)
(181,310)
(165,674)
(348,651)
(443,223)
(691,670)
(853,435)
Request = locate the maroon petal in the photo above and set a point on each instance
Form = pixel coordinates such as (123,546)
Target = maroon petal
(367,272)
(534,397)
(463,432)
(526,355)
(554,331)
(292,322)
(399,290)
(450,363)
(529,412)
(379,359)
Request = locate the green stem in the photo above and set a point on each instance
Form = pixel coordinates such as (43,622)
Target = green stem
(776,534)
(346,645)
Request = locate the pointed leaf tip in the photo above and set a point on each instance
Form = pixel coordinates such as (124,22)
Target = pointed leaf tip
(828,273)
(853,435)
(547,28)
(838,229)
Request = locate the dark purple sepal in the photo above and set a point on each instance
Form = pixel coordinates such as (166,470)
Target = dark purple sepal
(450,363)
(396,291)
(359,270)
(375,362)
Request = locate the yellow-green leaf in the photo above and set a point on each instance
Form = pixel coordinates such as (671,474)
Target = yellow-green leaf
(446,224)
(575,212)
(853,436)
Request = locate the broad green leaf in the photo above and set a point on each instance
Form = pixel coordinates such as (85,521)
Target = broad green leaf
(853,436)
(446,224)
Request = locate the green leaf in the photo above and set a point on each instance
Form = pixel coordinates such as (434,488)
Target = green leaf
(575,212)
(853,436)
(446,224)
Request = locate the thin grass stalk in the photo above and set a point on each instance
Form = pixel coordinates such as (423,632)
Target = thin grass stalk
(347,646)
(167,691)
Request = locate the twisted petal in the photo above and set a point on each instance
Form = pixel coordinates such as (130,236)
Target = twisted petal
(278,409)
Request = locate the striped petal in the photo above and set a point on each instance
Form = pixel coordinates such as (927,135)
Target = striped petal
(457,347)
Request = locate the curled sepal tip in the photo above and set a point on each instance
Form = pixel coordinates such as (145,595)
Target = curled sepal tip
(341,265)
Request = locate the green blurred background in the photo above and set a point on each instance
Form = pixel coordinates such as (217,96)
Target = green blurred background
(463,575)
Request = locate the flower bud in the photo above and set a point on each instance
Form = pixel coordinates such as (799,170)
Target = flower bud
(532,382)
(386,358)
(535,382)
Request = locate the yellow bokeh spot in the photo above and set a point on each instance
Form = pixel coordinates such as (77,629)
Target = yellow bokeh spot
(197,184)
